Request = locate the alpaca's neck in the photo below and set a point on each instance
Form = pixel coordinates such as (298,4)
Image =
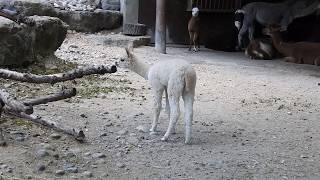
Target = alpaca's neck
(278,44)
(140,68)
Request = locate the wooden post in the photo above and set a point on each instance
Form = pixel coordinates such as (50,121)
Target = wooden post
(160,36)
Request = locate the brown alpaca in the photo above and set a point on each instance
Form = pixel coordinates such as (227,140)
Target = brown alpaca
(299,52)
(260,49)
(194,29)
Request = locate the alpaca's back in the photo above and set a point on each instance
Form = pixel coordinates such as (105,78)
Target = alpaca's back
(174,71)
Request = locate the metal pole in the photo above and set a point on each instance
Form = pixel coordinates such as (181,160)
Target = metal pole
(160,37)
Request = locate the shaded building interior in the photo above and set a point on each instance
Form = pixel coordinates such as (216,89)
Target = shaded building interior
(217,22)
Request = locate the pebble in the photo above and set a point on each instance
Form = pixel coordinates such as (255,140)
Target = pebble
(55,136)
(98,155)
(70,169)
(216,164)
(87,174)
(120,165)
(142,129)
(41,167)
(60,172)
(133,140)
(83,115)
(122,132)
(42,153)
(20,138)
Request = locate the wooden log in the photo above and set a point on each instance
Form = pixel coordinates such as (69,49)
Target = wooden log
(64,94)
(60,77)
(77,134)
(13,104)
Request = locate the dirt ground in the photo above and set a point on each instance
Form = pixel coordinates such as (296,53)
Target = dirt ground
(252,120)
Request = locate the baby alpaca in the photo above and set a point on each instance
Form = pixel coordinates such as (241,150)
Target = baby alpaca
(176,78)
(194,29)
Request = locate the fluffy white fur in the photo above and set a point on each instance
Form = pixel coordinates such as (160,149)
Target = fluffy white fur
(176,78)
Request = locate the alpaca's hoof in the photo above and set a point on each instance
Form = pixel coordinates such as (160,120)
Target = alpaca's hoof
(187,141)
(164,138)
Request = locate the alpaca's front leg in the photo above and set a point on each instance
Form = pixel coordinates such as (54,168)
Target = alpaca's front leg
(157,97)
(174,115)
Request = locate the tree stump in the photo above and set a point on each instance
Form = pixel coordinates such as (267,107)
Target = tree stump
(135,29)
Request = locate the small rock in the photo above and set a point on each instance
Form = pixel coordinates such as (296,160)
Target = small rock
(71,169)
(60,172)
(122,132)
(289,113)
(142,129)
(281,107)
(104,134)
(87,174)
(20,138)
(216,164)
(133,140)
(120,165)
(108,124)
(83,115)
(55,136)
(41,167)
(47,147)
(98,155)
(42,153)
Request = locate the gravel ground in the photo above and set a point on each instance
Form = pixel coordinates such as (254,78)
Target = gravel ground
(252,120)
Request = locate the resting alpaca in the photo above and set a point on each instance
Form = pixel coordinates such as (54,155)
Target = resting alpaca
(177,78)
(299,52)
(194,29)
(271,13)
(260,49)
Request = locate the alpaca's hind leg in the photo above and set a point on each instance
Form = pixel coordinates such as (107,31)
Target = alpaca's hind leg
(317,61)
(188,99)
(191,34)
(174,115)
(168,109)
(196,41)
(157,97)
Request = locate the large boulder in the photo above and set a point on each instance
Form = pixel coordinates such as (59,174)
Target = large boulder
(15,43)
(84,21)
(21,44)
(49,34)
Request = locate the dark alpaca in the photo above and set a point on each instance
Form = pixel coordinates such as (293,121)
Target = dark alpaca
(194,30)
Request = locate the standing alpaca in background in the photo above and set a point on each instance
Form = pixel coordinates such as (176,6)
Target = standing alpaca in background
(177,78)
(194,29)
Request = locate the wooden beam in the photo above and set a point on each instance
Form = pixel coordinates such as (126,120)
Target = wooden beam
(160,36)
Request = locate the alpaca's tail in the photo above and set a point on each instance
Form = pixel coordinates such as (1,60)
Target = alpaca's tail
(190,79)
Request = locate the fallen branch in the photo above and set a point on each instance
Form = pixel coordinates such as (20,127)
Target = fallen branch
(13,104)
(54,78)
(78,134)
(64,94)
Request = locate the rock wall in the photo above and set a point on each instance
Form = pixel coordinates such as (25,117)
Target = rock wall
(21,44)
(83,21)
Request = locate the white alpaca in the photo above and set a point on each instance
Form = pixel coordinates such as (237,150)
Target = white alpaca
(177,78)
